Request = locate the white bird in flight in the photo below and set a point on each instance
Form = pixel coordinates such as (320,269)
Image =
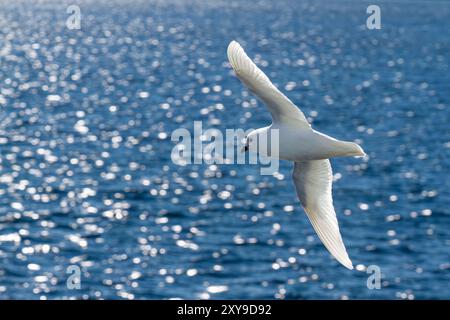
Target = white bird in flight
(310,150)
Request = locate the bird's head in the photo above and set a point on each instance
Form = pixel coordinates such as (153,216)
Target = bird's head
(250,142)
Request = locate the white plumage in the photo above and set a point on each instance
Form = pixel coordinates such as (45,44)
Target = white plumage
(298,142)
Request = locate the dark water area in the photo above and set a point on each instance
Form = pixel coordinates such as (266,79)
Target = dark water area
(86,176)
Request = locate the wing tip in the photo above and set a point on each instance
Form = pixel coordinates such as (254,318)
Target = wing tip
(347,263)
(343,258)
(232,50)
(232,45)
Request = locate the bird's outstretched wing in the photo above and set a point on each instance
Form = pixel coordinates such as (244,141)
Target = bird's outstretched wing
(279,105)
(313,181)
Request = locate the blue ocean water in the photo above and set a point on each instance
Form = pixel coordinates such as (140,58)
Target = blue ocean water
(86,177)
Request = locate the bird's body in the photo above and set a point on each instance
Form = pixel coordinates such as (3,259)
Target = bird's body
(308,144)
(310,150)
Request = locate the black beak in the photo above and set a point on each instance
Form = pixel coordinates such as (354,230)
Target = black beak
(244,148)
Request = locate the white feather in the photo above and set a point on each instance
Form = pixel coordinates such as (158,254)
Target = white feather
(308,148)
(279,105)
(313,180)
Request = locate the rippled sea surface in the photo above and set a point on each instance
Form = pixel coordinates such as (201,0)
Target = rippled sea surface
(86,177)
